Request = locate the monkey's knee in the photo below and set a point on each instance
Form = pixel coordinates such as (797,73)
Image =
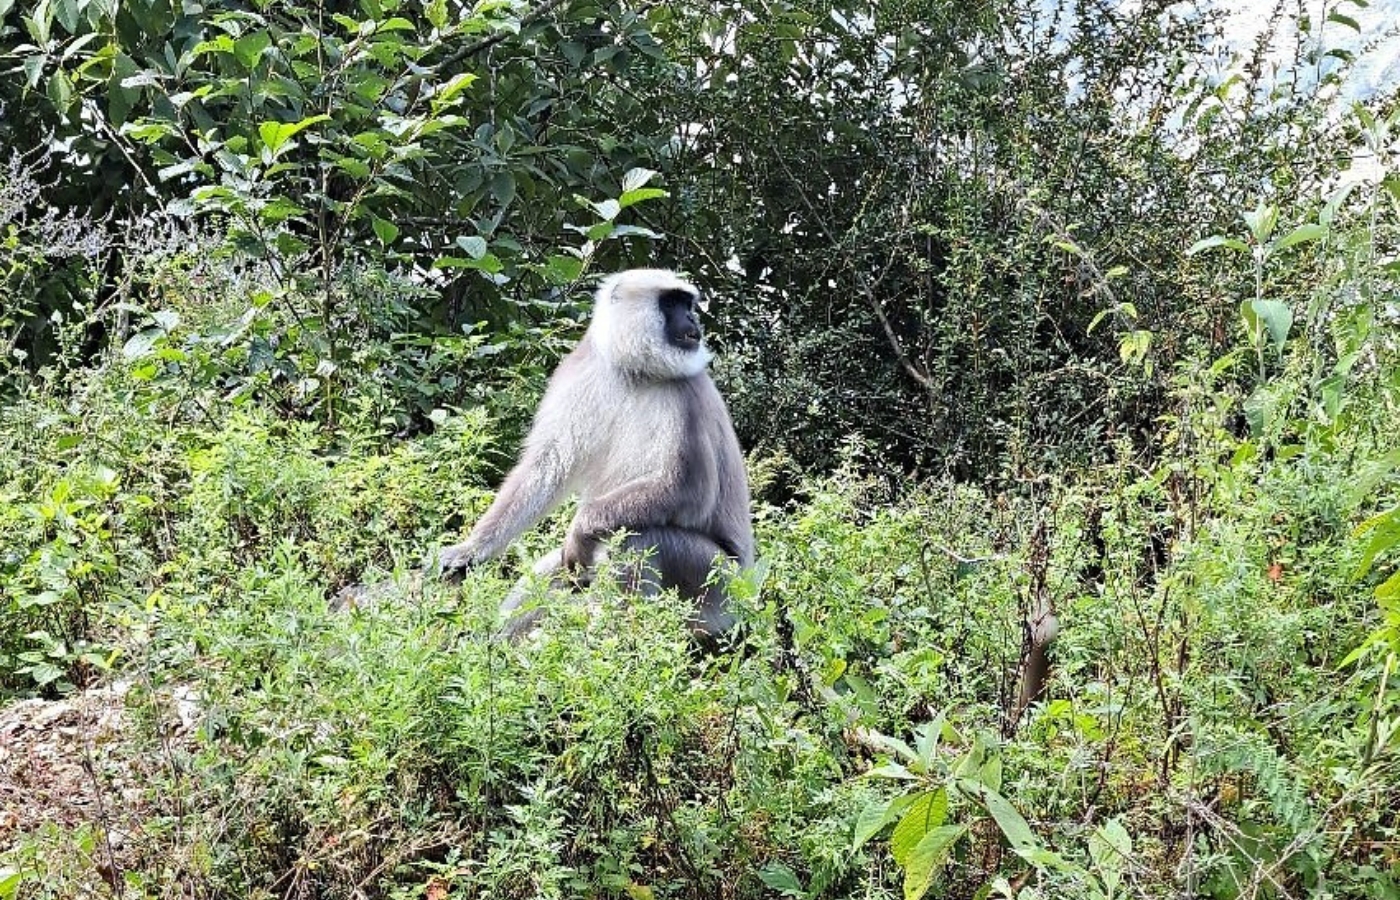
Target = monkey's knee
(672,558)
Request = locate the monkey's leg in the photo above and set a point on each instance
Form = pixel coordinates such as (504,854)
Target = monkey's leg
(664,558)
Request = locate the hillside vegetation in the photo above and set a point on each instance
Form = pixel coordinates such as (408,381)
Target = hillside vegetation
(1065,348)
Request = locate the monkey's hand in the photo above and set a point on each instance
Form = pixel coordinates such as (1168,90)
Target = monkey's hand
(580,550)
(453,561)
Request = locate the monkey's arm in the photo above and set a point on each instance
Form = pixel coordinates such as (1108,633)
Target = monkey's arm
(655,501)
(535,486)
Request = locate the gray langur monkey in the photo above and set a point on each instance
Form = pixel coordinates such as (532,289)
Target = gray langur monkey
(633,425)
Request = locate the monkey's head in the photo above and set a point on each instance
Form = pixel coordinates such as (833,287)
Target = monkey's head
(647,322)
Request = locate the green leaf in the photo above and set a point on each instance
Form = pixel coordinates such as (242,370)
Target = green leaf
(930,733)
(141,343)
(1262,222)
(782,879)
(385,230)
(926,812)
(454,86)
(503,188)
(1346,20)
(607,210)
(436,12)
(1303,233)
(474,245)
(249,48)
(1274,315)
(639,195)
(562,269)
(60,91)
(10,879)
(1334,203)
(1218,240)
(66,12)
(1011,823)
(632,231)
(876,815)
(488,263)
(276,134)
(929,857)
(1110,847)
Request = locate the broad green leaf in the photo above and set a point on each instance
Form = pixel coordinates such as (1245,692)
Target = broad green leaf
(1389,589)
(607,210)
(385,230)
(781,878)
(10,879)
(877,815)
(474,245)
(66,12)
(249,48)
(1218,240)
(926,812)
(454,86)
(929,736)
(1110,847)
(276,134)
(141,343)
(1274,315)
(503,188)
(436,13)
(60,91)
(562,269)
(1011,823)
(638,195)
(1262,222)
(1303,233)
(355,168)
(634,231)
(928,858)
(892,771)
(1334,203)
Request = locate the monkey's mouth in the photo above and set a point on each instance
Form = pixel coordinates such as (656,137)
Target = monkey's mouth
(688,340)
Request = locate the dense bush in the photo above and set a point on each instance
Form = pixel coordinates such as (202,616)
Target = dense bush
(1023,312)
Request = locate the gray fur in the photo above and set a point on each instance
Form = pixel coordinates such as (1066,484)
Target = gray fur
(635,428)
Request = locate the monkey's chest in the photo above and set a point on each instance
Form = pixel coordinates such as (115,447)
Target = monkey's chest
(639,439)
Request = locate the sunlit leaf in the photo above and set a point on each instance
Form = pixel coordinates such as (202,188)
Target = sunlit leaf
(1217,240)
(1302,234)
(928,858)
(926,812)
(250,47)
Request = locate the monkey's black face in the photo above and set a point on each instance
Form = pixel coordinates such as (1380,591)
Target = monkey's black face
(680,310)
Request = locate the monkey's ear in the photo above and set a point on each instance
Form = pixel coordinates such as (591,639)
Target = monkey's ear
(606,287)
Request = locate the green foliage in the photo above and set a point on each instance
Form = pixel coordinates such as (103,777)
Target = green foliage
(355,239)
